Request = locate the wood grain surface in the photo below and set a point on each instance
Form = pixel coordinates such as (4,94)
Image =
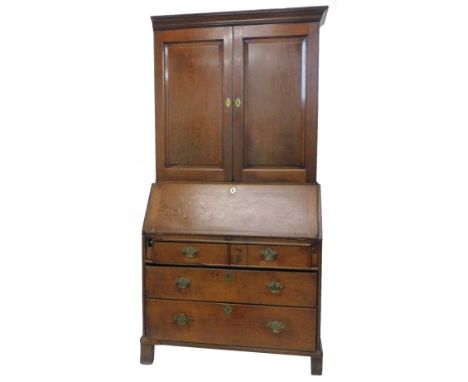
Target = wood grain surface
(258,210)
(275,125)
(193,73)
(246,325)
(173,253)
(285,257)
(243,286)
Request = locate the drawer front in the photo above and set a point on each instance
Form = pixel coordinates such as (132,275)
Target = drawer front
(243,286)
(232,324)
(188,253)
(275,256)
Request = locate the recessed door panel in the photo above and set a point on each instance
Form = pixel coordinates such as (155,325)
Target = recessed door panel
(193,123)
(193,93)
(274,88)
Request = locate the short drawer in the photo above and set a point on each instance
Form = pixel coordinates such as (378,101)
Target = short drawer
(232,324)
(275,256)
(188,253)
(242,286)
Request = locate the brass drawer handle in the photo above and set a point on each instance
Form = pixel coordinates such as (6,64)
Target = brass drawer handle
(237,102)
(276,326)
(182,283)
(189,252)
(274,286)
(269,255)
(182,319)
(227,102)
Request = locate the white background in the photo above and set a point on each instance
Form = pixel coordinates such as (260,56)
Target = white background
(77,161)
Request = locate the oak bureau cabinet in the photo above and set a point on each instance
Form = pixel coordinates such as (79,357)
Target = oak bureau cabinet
(232,232)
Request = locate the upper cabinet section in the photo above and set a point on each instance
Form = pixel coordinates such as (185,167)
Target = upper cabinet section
(236,95)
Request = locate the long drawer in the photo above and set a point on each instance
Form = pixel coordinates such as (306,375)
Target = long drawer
(242,286)
(232,324)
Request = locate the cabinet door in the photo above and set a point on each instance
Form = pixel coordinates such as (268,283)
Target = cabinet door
(275,116)
(193,73)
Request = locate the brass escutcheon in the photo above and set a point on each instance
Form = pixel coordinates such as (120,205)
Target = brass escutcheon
(227,276)
(227,310)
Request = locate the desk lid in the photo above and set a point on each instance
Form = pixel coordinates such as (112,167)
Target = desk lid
(234,209)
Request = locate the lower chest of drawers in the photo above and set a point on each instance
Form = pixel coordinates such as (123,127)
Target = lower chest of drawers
(242,295)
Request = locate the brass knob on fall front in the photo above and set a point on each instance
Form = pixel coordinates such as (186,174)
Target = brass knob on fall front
(237,102)
(182,283)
